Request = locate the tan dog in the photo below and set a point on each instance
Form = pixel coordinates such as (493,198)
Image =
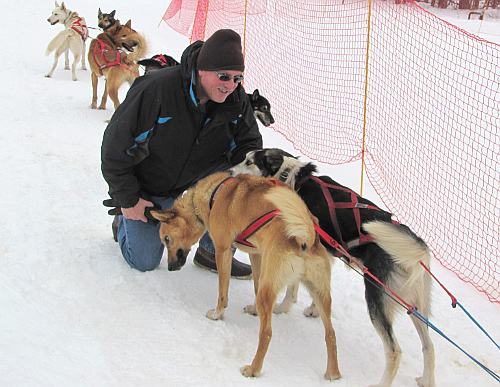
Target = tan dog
(285,249)
(107,58)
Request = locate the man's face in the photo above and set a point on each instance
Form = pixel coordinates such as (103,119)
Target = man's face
(217,89)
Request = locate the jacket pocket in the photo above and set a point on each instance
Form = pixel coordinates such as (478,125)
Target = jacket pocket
(140,150)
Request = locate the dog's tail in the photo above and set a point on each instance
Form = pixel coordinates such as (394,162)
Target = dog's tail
(405,248)
(140,50)
(60,41)
(295,215)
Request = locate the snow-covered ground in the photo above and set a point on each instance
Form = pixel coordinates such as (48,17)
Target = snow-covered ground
(74,314)
(488,28)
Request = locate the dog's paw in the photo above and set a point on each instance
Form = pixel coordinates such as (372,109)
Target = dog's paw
(212,314)
(250,309)
(102,107)
(67,68)
(249,372)
(311,311)
(48,76)
(331,376)
(284,307)
(421,382)
(74,78)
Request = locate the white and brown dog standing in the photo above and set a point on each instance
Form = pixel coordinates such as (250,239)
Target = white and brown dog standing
(283,249)
(72,38)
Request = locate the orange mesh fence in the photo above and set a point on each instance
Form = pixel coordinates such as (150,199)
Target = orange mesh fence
(432,147)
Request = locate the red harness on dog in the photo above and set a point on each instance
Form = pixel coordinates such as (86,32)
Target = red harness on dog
(260,222)
(80,26)
(102,51)
(354,204)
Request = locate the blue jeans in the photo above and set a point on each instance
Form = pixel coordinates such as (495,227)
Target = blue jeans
(140,242)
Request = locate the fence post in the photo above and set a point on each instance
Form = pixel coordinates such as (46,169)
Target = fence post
(365,96)
(245,29)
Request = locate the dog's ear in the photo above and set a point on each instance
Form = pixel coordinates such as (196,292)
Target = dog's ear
(57,4)
(112,14)
(255,94)
(129,24)
(306,170)
(149,62)
(273,163)
(164,215)
(63,7)
(99,13)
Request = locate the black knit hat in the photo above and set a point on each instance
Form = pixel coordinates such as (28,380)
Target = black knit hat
(221,51)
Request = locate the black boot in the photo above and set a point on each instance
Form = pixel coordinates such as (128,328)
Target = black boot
(114,227)
(206,260)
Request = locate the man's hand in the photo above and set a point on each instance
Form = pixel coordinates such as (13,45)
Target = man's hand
(137,212)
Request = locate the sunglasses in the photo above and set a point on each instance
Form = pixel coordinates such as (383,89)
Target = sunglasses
(224,77)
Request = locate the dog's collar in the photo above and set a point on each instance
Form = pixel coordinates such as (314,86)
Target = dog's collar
(214,192)
(284,175)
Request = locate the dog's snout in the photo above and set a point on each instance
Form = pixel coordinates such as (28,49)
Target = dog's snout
(174,266)
(181,256)
(180,260)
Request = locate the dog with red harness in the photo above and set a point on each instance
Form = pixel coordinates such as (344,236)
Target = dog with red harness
(72,38)
(114,54)
(387,249)
(270,222)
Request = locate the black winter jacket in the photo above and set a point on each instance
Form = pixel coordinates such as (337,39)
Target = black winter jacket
(160,140)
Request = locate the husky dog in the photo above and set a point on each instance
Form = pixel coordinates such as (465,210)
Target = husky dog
(107,57)
(106,20)
(388,250)
(282,244)
(72,38)
(261,108)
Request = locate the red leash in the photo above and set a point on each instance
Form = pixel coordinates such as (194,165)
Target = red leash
(453,298)
(333,243)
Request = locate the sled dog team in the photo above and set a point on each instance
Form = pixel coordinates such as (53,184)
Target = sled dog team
(271,206)
(115,54)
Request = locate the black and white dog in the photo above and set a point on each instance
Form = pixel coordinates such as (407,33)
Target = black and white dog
(389,250)
(261,108)
(260,105)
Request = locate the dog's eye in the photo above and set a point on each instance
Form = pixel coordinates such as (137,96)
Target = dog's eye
(166,239)
(248,162)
